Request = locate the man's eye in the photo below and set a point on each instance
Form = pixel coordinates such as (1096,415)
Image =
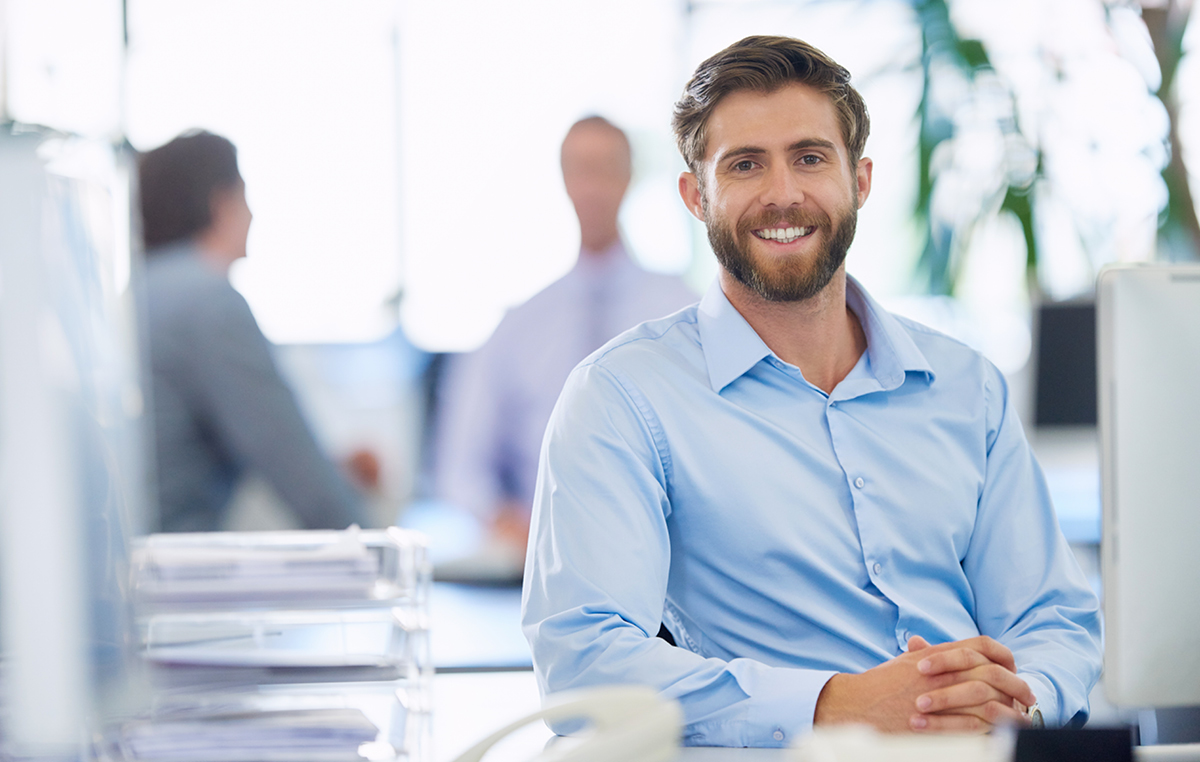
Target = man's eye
(745,165)
(810,159)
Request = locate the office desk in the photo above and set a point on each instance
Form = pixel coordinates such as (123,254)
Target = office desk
(485,681)
(467,707)
(470,706)
(477,628)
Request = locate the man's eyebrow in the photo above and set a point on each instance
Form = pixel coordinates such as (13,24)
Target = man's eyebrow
(800,145)
(742,151)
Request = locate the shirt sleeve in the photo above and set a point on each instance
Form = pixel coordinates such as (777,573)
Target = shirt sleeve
(1030,592)
(467,445)
(252,410)
(596,578)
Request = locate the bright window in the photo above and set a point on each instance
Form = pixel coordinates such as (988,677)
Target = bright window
(307,91)
(488,91)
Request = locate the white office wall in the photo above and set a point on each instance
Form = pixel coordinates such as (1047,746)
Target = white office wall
(307,91)
(61,65)
(488,91)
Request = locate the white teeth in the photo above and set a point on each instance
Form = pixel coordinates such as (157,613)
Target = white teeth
(783,235)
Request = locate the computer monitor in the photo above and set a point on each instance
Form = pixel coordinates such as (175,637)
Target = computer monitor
(71,479)
(1148,342)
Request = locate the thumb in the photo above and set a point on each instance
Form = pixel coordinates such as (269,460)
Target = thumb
(916,643)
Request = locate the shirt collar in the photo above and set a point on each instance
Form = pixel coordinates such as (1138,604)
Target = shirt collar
(732,347)
(890,346)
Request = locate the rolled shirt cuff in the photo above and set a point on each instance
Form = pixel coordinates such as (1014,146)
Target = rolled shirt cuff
(777,712)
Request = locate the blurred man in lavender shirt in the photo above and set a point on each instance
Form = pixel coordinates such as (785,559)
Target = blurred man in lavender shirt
(496,401)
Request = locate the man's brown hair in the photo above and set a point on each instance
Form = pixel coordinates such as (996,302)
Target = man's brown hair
(177,182)
(764,64)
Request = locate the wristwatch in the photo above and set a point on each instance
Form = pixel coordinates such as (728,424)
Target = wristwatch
(1035,716)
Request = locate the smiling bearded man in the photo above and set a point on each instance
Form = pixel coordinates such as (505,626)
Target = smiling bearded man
(826,513)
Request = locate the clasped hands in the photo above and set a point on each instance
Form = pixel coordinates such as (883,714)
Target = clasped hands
(968,686)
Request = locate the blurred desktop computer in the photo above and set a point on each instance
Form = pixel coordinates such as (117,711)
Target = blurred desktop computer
(1148,332)
(72,482)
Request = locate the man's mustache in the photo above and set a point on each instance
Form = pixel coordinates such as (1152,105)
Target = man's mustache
(799,218)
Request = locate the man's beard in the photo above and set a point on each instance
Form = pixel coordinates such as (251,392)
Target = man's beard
(786,279)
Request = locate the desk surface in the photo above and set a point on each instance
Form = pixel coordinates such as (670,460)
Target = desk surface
(467,707)
(477,628)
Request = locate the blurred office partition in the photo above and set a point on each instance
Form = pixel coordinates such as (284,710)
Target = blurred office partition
(71,473)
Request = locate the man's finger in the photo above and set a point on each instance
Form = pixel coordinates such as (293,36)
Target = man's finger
(953,660)
(975,686)
(985,646)
(1006,682)
(993,650)
(979,719)
(948,723)
(959,697)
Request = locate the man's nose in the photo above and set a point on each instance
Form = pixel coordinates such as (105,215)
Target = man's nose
(781,187)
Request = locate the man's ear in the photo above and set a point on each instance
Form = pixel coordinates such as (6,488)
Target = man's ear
(220,206)
(862,177)
(689,191)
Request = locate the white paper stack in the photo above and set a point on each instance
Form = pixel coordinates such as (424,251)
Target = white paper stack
(331,735)
(282,646)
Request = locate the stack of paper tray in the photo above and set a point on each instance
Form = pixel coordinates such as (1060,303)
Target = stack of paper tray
(282,646)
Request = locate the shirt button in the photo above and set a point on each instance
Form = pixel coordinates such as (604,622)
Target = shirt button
(877,568)
(778,735)
(859,482)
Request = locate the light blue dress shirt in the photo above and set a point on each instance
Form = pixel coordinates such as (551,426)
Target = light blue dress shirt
(690,477)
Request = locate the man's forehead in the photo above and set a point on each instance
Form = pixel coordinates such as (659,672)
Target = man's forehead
(786,116)
(594,134)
